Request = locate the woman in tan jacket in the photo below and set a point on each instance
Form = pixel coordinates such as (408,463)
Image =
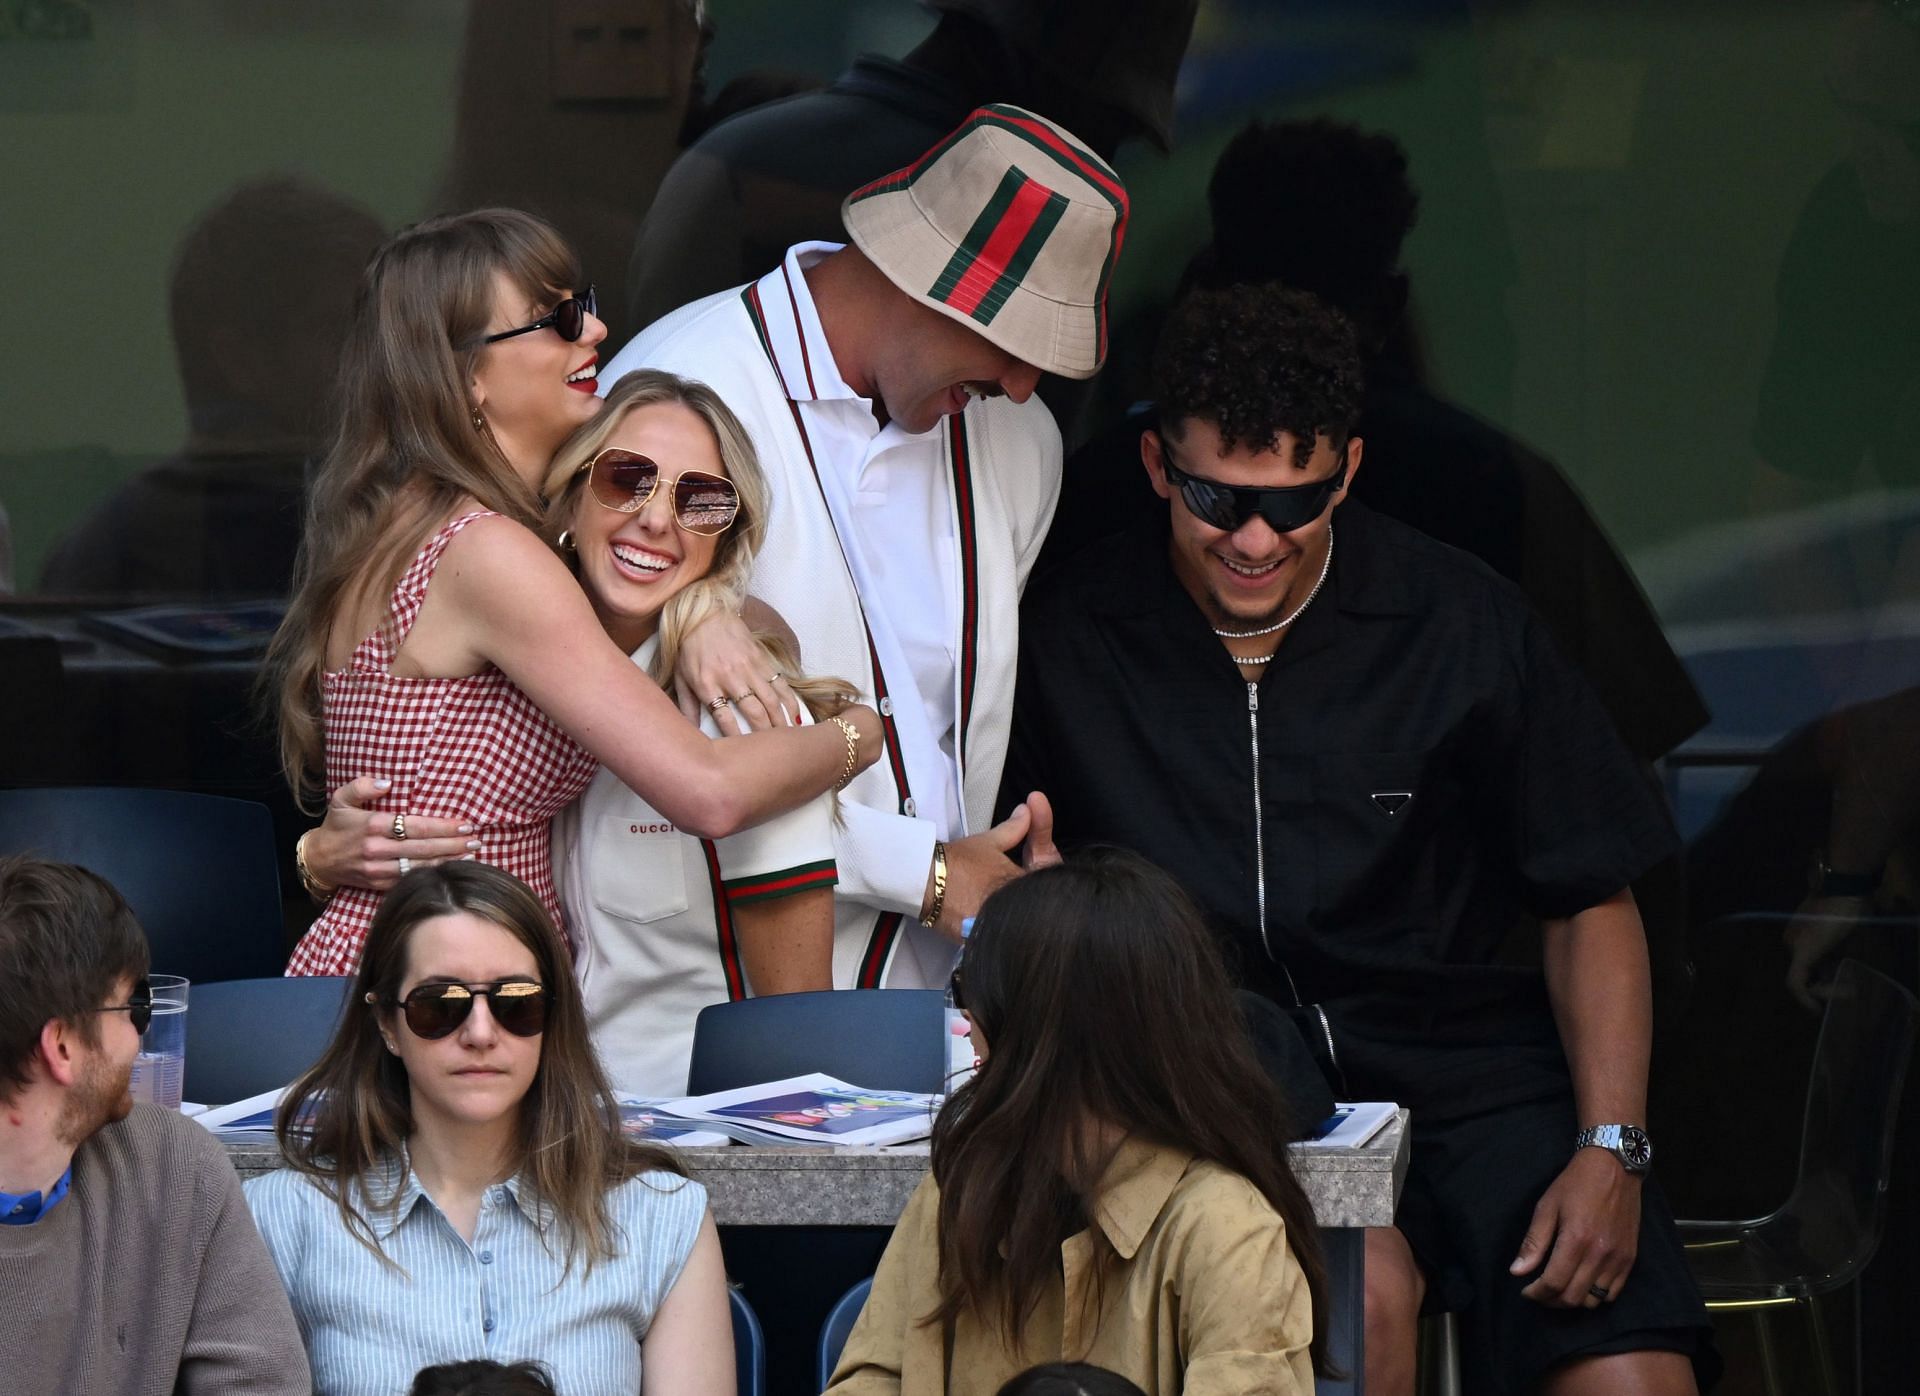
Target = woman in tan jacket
(1113,1186)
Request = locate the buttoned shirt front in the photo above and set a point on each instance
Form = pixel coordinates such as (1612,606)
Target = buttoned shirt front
(26,1208)
(911,594)
(507,1295)
(1184,1282)
(1418,775)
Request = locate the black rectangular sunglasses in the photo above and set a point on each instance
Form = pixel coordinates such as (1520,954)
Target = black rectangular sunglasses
(567,319)
(434,1011)
(1228,507)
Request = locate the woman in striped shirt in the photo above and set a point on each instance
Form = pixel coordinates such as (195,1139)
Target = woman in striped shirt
(464,1189)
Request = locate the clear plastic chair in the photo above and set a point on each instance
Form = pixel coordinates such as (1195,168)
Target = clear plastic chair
(1826,1231)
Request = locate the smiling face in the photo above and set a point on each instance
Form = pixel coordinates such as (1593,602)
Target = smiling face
(479,1073)
(934,365)
(631,565)
(534,388)
(1251,576)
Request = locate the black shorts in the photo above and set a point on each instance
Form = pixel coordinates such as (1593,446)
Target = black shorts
(1469,1197)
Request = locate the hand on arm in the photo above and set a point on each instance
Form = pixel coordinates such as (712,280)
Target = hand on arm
(721,659)
(520,610)
(354,845)
(1586,1228)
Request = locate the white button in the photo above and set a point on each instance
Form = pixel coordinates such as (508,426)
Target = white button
(908,808)
(886,707)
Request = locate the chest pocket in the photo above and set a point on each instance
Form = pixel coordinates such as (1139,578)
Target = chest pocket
(1379,821)
(637,868)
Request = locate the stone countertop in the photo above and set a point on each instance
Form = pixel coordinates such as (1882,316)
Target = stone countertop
(869,1187)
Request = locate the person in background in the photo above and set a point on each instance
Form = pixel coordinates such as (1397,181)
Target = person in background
(775,176)
(457,1181)
(1069,1379)
(659,506)
(483,1378)
(486,689)
(256,343)
(128,1261)
(886,387)
(1367,756)
(1109,1186)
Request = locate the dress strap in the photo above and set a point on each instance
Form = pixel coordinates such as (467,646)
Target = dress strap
(378,649)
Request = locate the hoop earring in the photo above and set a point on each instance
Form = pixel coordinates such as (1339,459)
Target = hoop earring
(565,541)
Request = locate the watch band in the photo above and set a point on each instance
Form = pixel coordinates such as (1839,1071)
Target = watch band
(1628,1143)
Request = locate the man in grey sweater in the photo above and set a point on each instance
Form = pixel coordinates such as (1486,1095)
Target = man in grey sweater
(128,1260)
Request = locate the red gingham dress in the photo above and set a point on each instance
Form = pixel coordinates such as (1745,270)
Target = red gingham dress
(473,748)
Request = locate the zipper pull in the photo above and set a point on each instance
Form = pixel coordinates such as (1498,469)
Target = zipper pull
(1253,697)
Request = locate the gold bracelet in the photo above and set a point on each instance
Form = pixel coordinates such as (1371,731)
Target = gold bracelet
(852,734)
(931,915)
(316,889)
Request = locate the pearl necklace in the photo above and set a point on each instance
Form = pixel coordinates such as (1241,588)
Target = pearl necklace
(1326,565)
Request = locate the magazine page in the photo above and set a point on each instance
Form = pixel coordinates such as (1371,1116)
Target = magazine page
(645,1119)
(1351,1125)
(814,1109)
(244,1120)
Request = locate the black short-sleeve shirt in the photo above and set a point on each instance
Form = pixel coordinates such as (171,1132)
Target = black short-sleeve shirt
(1431,774)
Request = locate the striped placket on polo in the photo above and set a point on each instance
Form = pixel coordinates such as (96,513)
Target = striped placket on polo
(886,932)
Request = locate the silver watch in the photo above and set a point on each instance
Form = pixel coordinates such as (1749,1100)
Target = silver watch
(1628,1143)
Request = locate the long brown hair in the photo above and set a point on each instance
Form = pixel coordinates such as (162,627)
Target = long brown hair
(406,447)
(1104,1001)
(724,586)
(358,1098)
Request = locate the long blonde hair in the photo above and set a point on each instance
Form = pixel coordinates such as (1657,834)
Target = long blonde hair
(406,446)
(724,586)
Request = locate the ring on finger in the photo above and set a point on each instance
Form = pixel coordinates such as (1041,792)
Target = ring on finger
(776,678)
(720,702)
(742,697)
(406,866)
(400,827)
(1599,1292)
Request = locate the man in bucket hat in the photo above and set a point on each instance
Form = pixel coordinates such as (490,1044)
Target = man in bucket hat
(887,385)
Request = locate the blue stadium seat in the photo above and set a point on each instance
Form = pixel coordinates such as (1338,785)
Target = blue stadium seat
(886,1039)
(199,871)
(833,1333)
(749,1347)
(245,1036)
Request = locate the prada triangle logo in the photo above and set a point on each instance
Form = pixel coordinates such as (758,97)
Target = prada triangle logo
(1391,802)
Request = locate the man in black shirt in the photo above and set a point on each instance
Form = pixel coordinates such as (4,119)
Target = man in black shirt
(1369,762)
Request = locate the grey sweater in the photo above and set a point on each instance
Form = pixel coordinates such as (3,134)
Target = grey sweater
(148,1274)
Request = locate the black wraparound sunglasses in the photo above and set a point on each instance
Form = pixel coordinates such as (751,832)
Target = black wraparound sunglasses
(567,319)
(139,1008)
(434,1011)
(1228,507)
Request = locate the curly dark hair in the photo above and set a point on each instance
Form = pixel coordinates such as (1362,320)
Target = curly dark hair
(1257,361)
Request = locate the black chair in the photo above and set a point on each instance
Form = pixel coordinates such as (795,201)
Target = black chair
(749,1347)
(839,1326)
(245,1036)
(1823,1235)
(887,1039)
(199,871)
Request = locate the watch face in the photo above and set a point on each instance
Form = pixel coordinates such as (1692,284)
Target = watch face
(1636,1150)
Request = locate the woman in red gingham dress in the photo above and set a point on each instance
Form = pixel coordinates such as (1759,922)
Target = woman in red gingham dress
(473,747)
(434,640)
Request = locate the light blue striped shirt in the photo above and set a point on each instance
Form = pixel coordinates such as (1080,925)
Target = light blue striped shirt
(368,1328)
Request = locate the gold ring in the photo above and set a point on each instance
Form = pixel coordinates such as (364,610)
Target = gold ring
(400,827)
(741,698)
(720,702)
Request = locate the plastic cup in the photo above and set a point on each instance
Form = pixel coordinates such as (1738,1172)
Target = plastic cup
(160,1071)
